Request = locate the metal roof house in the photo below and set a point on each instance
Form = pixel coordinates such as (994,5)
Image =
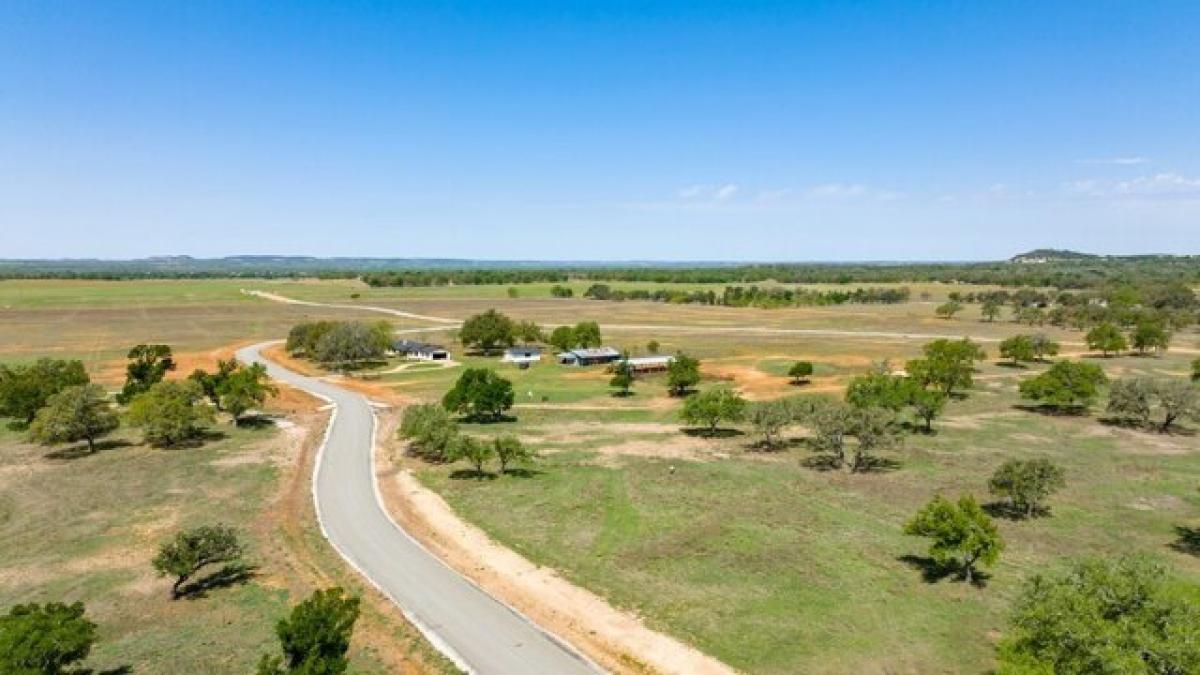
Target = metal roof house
(589,356)
(649,364)
(420,350)
(522,354)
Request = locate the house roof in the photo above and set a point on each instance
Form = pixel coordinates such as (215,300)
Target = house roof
(593,352)
(523,349)
(649,360)
(414,346)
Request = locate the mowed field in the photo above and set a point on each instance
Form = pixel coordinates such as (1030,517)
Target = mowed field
(756,558)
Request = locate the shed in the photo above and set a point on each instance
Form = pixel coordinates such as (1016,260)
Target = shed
(589,356)
(522,354)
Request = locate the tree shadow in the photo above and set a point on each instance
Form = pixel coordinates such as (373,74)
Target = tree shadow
(1051,410)
(196,441)
(1007,511)
(1187,540)
(918,428)
(1121,422)
(233,574)
(119,670)
(877,465)
(1012,366)
(472,474)
(522,472)
(823,462)
(622,394)
(704,432)
(933,571)
(256,421)
(489,419)
(81,450)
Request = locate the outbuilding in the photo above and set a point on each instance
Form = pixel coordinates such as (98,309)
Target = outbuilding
(522,354)
(649,364)
(421,351)
(589,356)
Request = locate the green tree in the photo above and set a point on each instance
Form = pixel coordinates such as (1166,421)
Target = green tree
(315,637)
(1177,400)
(769,419)
(1196,370)
(510,450)
(1018,348)
(947,364)
(990,310)
(528,332)
(947,310)
(652,346)
(878,388)
(1103,616)
(431,429)
(303,337)
(480,394)
(1043,346)
(24,390)
(710,408)
(244,389)
(683,373)
(928,404)
(170,412)
(563,338)
(962,534)
(1107,338)
(487,331)
(79,413)
(1150,335)
(874,428)
(45,639)
(211,382)
(830,424)
(148,365)
(351,343)
(1130,400)
(622,379)
(1027,483)
(474,451)
(800,372)
(1067,384)
(587,334)
(192,550)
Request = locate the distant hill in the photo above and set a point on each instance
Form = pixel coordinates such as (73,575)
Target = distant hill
(1051,254)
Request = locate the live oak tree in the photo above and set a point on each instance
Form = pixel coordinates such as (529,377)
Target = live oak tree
(510,450)
(211,383)
(1106,338)
(303,337)
(1027,483)
(587,334)
(769,418)
(990,310)
(431,430)
(528,332)
(48,639)
(1177,400)
(474,451)
(1122,615)
(1130,400)
(709,408)
(315,636)
(170,412)
(874,428)
(683,373)
(148,365)
(479,393)
(962,534)
(244,389)
(800,372)
(947,310)
(79,413)
(928,404)
(622,379)
(563,338)
(831,424)
(879,388)
(25,389)
(192,550)
(947,364)
(487,331)
(1043,346)
(1018,348)
(1067,384)
(351,343)
(1150,336)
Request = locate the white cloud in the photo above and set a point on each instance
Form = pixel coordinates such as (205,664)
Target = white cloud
(837,191)
(1157,185)
(718,193)
(1117,161)
(725,192)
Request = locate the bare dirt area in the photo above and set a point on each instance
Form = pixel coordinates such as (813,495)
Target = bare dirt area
(618,641)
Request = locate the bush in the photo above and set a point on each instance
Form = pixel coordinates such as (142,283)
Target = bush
(315,636)
(431,429)
(1027,483)
(170,413)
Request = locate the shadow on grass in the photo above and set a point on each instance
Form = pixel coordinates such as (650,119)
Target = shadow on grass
(472,474)
(933,571)
(1012,366)
(705,432)
(522,472)
(918,428)
(1050,410)
(206,436)
(1187,540)
(622,394)
(876,465)
(258,421)
(230,575)
(780,445)
(119,670)
(80,451)
(1010,512)
(823,462)
(488,419)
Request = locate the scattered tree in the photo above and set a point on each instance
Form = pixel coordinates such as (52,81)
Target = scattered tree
(480,394)
(830,423)
(928,404)
(1027,483)
(1196,370)
(879,388)
(990,310)
(1043,346)
(563,338)
(947,364)
(769,419)
(45,639)
(170,412)
(211,382)
(1177,400)
(874,428)
(1129,400)
(962,534)
(1018,348)
(193,550)
(245,389)
(79,413)
(683,373)
(560,291)
(528,332)
(1107,338)
(303,337)
(947,310)
(315,636)
(710,408)
(800,372)
(487,331)
(652,346)
(431,429)
(587,334)
(1150,335)
(1067,384)
(622,379)
(25,389)
(513,292)
(473,450)
(1103,616)
(148,365)
(510,450)
(351,343)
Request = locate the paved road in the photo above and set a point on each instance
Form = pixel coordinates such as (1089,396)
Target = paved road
(476,631)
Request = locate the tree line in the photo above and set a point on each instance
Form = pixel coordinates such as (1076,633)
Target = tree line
(753,296)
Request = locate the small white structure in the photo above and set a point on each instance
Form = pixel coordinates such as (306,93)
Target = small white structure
(649,364)
(522,354)
(420,351)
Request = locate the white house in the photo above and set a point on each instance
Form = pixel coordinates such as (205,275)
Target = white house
(420,351)
(589,357)
(522,354)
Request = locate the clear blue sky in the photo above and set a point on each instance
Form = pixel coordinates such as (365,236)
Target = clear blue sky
(565,130)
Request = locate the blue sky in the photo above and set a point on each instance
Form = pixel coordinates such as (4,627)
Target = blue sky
(606,130)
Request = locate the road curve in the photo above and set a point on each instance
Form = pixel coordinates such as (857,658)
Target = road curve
(476,631)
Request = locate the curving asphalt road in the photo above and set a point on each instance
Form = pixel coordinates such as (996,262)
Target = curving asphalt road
(476,631)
